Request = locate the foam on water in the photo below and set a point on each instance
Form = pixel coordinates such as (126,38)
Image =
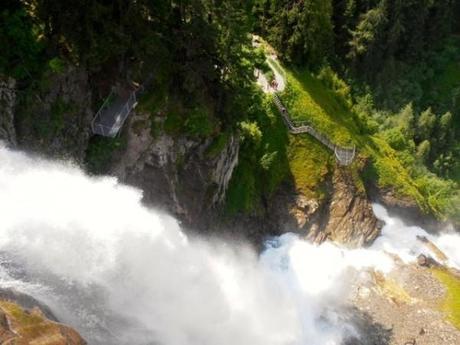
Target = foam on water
(125,274)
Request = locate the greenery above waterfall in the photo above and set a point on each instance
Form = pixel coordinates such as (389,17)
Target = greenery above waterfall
(383,75)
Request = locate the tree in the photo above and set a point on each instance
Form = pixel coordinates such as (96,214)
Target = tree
(423,151)
(21,55)
(425,125)
(407,120)
(301,31)
(364,47)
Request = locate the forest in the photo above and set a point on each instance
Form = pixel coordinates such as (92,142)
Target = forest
(395,63)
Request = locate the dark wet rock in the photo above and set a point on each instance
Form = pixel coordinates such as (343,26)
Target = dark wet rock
(55,120)
(7,105)
(426,261)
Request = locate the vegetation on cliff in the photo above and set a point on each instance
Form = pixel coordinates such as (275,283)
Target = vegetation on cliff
(381,75)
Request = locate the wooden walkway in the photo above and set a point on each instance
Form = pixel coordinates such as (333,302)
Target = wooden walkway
(344,155)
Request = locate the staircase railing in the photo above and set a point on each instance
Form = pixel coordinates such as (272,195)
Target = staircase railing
(345,155)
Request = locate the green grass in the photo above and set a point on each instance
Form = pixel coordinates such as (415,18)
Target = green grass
(451,303)
(302,160)
(309,164)
(329,111)
(307,99)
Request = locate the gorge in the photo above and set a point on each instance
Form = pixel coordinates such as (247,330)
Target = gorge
(193,172)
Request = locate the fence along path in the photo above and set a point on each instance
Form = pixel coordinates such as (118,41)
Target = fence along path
(345,155)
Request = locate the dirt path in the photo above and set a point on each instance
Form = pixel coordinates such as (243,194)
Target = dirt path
(264,83)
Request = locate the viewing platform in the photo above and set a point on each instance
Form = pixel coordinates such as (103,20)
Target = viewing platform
(115,110)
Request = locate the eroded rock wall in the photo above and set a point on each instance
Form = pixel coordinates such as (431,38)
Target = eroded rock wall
(176,173)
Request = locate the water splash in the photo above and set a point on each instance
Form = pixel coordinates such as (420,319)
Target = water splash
(125,274)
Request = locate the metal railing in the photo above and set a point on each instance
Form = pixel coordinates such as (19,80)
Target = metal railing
(344,155)
(120,116)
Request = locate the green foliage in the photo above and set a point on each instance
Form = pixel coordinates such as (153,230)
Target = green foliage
(56,65)
(396,139)
(394,54)
(332,81)
(217,145)
(250,132)
(52,123)
(423,151)
(198,123)
(367,32)
(301,31)
(21,55)
(195,122)
(425,124)
(100,153)
(263,163)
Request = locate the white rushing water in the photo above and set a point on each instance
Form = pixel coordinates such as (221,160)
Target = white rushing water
(121,273)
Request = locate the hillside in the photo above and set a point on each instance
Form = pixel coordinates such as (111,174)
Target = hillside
(353,73)
(325,101)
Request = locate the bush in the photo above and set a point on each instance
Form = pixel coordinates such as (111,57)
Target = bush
(56,65)
(331,80)
(100,152)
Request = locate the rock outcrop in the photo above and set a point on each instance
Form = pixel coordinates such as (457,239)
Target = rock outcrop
(344,216)
(7,105)
(177,173)
(351,220)
(405,208)
(55,119)
(28,325)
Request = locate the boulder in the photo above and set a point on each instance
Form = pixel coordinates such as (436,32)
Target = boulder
(30,326)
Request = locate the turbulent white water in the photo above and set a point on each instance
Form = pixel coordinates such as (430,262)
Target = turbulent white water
(125,274)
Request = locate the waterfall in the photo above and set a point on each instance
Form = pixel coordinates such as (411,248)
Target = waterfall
(121,273)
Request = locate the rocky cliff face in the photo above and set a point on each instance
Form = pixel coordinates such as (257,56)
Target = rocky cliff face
(350,219)
(178,174)
(344,216)
(406,209)
(55,119)
(7,105)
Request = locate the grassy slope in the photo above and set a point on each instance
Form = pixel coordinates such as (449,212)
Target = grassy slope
(305,161)
(307,98)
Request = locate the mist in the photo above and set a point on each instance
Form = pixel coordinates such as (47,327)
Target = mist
(122,273)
